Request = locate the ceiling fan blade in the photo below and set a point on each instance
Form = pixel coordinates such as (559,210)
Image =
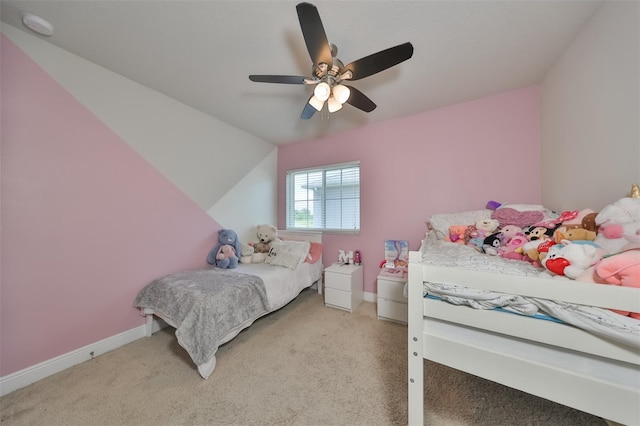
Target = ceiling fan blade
(314,35)
(372,64)
(308,110)
(284,79)
(360,100)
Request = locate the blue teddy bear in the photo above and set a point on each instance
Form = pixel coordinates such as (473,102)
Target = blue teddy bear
(225,253)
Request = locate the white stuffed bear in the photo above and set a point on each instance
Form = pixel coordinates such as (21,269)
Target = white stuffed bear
(617,221)
(570,259)
(266,235)
(247,253)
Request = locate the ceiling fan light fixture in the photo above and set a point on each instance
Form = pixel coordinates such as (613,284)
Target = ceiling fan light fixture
(316,103)
(341,93)
(334,105)
(322,92)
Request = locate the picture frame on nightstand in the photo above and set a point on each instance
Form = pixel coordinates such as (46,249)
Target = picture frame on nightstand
(396,253)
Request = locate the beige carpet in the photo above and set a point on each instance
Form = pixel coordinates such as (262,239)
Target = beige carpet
(302,365)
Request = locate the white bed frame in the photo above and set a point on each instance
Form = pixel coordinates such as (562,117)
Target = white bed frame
(561,363)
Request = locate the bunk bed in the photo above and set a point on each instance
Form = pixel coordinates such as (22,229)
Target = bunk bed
(564,360)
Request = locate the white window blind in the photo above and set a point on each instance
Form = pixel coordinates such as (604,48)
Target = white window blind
(324,198)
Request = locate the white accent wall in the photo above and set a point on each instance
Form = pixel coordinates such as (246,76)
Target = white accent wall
(591,113)
(258,208)
(203,156)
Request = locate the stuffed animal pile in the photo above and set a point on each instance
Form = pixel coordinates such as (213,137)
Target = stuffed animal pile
(228,251)
(475,234)
(601,247)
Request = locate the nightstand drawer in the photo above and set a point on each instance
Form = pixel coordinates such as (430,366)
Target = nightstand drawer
(393,290)
(337,281)
(338,298)
(390,310)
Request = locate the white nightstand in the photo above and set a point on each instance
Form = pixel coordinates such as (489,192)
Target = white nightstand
(392,305)
(343,286)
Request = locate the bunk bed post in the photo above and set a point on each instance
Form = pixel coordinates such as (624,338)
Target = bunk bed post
(415,328)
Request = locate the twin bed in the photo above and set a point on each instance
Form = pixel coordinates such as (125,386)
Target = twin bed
(588,360)
(209,307)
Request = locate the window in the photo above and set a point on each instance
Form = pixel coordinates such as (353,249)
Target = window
(324,198)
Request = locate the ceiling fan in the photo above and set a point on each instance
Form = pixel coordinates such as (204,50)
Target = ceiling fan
(328,73)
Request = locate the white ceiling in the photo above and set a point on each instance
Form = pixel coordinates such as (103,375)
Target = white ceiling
(201,52)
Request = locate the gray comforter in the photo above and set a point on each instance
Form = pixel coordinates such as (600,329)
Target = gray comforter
(204,306)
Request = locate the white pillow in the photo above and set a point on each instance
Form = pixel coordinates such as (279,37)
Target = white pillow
(289,254)
(440,223)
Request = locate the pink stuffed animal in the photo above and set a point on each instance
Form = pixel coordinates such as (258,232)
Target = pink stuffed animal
(513,248)
(514,238)
(511,231)
(456,234)
(621,269)
(226,251)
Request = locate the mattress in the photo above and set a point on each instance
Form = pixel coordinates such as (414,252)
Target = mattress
(602,322)
(283,284)
(443,253)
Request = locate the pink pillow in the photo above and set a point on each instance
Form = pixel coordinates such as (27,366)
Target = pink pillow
(315,251)
(508,216)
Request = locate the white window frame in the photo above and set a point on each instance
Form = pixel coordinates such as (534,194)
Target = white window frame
(353,225)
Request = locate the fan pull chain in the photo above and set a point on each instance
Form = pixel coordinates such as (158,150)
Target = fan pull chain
(324,115)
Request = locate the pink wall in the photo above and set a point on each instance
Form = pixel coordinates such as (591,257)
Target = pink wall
(450,159)
(86,222)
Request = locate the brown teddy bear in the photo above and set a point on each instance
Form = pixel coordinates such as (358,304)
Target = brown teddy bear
(586,219)
(574,234)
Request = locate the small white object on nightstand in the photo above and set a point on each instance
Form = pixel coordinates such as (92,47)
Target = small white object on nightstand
(392,305)
(343,286)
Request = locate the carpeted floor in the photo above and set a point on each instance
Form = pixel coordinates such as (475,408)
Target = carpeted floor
(302,365)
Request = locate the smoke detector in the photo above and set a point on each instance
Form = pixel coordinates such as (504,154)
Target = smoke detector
(37,24)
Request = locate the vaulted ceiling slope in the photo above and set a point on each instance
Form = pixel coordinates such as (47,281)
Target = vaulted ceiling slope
(202,52)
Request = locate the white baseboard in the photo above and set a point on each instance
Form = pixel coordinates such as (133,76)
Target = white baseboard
(370,297)
(32,374)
